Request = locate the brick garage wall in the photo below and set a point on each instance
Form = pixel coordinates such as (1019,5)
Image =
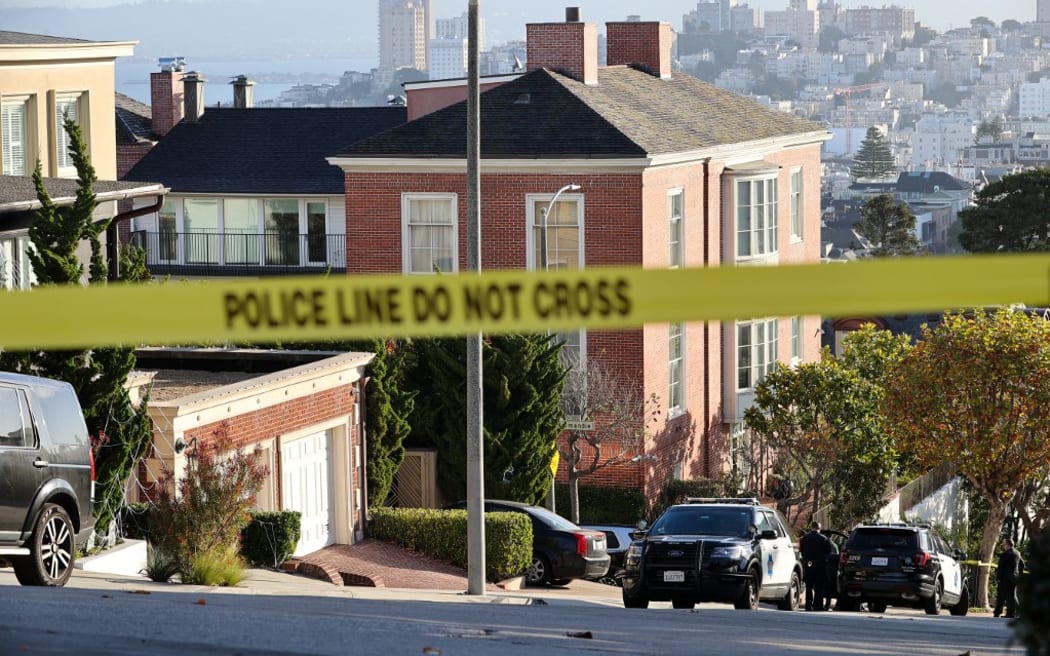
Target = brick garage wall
(247,429)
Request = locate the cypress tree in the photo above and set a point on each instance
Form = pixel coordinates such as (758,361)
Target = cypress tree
(522,386)
(120,431)
(874,159)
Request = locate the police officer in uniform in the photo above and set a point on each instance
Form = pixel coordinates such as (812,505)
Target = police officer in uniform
(815,548)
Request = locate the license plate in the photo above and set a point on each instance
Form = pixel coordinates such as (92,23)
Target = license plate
(674,576)
(879,561)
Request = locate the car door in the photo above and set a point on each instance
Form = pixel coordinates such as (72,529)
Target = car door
(20,477)
(950,568)
(778,554)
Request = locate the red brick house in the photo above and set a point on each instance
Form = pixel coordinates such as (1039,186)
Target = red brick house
(673,172)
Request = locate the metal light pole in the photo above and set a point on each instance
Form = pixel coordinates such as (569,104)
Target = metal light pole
(475,444)
(545,263)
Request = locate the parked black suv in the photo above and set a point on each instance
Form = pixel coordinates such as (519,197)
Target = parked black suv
(46,478)
(901,565)
(727,550)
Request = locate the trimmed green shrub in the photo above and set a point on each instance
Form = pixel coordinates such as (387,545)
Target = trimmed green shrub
(270,537)
(442,534)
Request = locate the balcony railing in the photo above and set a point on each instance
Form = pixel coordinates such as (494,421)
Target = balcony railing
(241,254)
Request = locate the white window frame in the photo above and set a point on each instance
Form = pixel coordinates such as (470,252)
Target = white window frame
(675,231)
(406,227)
(16,150)
(797,353)
(756,354)
(676,369)
(795,203)
(759,240)
(533,258)
(63,161)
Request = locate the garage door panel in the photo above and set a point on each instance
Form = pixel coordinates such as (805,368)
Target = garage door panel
(305,486)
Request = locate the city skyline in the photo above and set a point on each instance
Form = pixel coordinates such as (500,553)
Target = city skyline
(506,23)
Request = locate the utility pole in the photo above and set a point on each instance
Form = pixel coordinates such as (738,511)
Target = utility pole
(475,415)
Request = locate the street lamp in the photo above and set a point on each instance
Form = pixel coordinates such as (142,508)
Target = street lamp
(543,225)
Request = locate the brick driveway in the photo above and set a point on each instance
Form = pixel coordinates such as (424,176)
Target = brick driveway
(375,563)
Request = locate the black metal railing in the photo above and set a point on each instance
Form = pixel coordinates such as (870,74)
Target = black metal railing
(241,254)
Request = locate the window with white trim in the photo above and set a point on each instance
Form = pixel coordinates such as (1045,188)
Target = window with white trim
(756,347)
(71,106)
(14,136)
(564,250)
(796,340)
(756,217)
(676,369)
(16,271)
(676,203)
(428,233)
(796,203)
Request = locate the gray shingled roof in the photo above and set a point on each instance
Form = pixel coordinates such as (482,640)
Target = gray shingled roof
(134,120)
(629,113)
(926,181)
(261,150)
(18,193)
(24,39)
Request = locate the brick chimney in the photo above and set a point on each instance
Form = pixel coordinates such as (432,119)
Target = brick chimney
(645,44)
(571,48)
(242,92)
(165,91)
(193,92)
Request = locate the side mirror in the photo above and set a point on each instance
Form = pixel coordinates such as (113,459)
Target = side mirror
(960,555)
(768,534)
(641,525)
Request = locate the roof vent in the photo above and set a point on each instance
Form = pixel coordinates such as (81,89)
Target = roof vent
(523,99)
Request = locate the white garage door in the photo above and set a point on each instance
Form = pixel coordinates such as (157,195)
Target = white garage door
(305,487)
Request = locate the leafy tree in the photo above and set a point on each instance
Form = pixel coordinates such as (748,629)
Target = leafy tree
(1010,25)
(923,35)
(1009,215)
(828,39)
(975,392)
(822,420)
(890,226)
(621,415)
(990,128)
(522,378)
(121,431)
(874,159)
(982,22)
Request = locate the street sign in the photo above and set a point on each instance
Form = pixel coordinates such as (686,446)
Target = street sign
(577,424)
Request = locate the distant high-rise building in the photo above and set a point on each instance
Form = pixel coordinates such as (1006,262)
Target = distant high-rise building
(709,16)
(1042,11)
(447,51)
(405,27)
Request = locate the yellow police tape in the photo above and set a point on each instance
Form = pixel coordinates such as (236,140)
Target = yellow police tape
(339,307)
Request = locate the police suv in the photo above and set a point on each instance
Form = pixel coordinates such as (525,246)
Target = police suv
(722,550)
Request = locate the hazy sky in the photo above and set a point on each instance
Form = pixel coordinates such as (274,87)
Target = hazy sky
(932,13)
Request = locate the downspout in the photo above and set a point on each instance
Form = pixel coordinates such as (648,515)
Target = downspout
(112,242)
(361,424)
(707,325)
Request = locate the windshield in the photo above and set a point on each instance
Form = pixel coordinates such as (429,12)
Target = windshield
(704,521)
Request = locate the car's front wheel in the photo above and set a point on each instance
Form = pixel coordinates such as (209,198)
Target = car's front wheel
(635,601)
(52,550)
(793,596)
(539,572)
(960,609)
(748,599)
